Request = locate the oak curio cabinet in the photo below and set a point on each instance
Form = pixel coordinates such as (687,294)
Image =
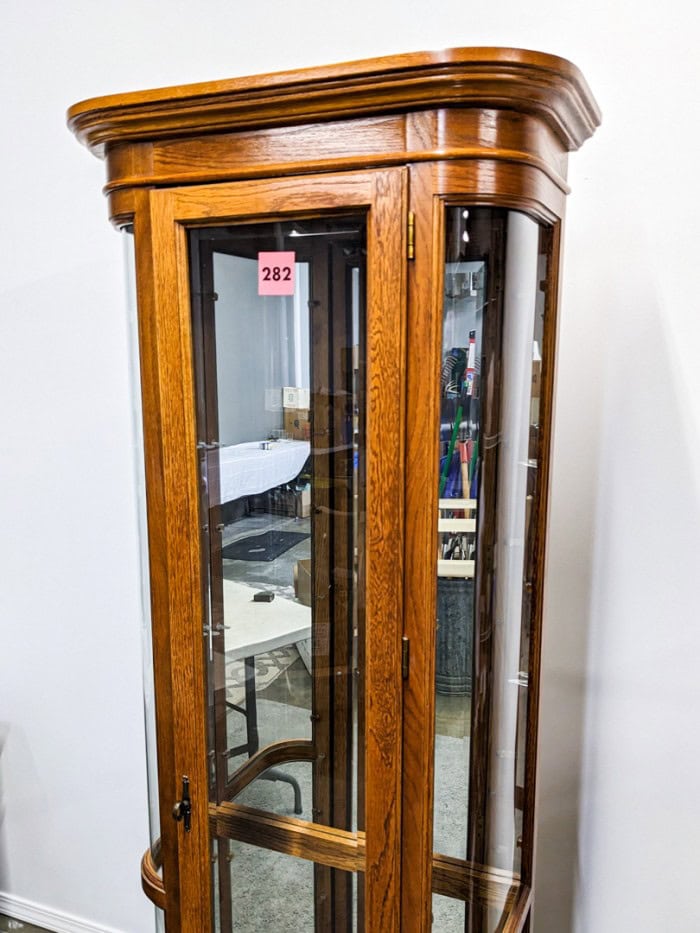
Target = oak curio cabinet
(347,284)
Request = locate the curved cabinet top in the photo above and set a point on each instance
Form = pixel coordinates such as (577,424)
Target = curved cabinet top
(545,86)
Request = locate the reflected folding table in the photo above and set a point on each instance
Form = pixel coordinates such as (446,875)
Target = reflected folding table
(253,628)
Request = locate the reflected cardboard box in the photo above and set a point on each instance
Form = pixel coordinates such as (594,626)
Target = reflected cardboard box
(297,424)
(304,502)
(302,581)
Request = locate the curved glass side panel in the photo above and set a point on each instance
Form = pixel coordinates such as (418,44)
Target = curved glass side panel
(493,317)
(146,630)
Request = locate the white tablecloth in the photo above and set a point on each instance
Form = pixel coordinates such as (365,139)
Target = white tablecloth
(253,628)
(247,470)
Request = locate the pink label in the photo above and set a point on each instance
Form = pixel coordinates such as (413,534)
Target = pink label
(276,273)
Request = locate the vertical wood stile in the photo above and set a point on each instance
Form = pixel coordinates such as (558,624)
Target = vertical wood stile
(422,419)
(321,326)
(386,265)
(173,518)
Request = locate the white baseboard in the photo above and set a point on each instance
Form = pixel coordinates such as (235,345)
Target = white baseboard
(18,908)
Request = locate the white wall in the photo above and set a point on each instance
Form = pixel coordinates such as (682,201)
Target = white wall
(620,747)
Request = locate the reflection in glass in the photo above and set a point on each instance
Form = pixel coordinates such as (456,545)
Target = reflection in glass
(280,448)
(448,913)
(286,905)
(495,270)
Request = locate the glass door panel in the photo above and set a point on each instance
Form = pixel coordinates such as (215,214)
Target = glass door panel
(493,315)
(278,325)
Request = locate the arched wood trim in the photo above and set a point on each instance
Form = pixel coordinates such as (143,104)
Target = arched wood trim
(151,881)
(277,753)
(380,160)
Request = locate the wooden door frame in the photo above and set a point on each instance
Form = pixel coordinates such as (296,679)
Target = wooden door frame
(161,220)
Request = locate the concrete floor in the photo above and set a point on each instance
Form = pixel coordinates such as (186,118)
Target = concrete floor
(276,575)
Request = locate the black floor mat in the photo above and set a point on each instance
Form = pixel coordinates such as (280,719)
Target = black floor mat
(266,547)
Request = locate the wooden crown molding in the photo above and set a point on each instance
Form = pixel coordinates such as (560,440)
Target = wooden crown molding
(546,86)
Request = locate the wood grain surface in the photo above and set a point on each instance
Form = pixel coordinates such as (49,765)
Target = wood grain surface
(519,914)
(423,421)
(151,881)
(474,884)
(276,753)
(173,527)
(459,133)
(531,82)
(386,287)
(326,845)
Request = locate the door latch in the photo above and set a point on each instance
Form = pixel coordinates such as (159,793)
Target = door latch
(183,808)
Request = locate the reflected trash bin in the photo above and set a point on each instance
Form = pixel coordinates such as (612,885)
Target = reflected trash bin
(455,636)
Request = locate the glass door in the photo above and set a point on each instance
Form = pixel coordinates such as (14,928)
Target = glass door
(276,450)
(481,332)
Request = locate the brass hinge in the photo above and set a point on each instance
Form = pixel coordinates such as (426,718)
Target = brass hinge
(405,656)
(411,235)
